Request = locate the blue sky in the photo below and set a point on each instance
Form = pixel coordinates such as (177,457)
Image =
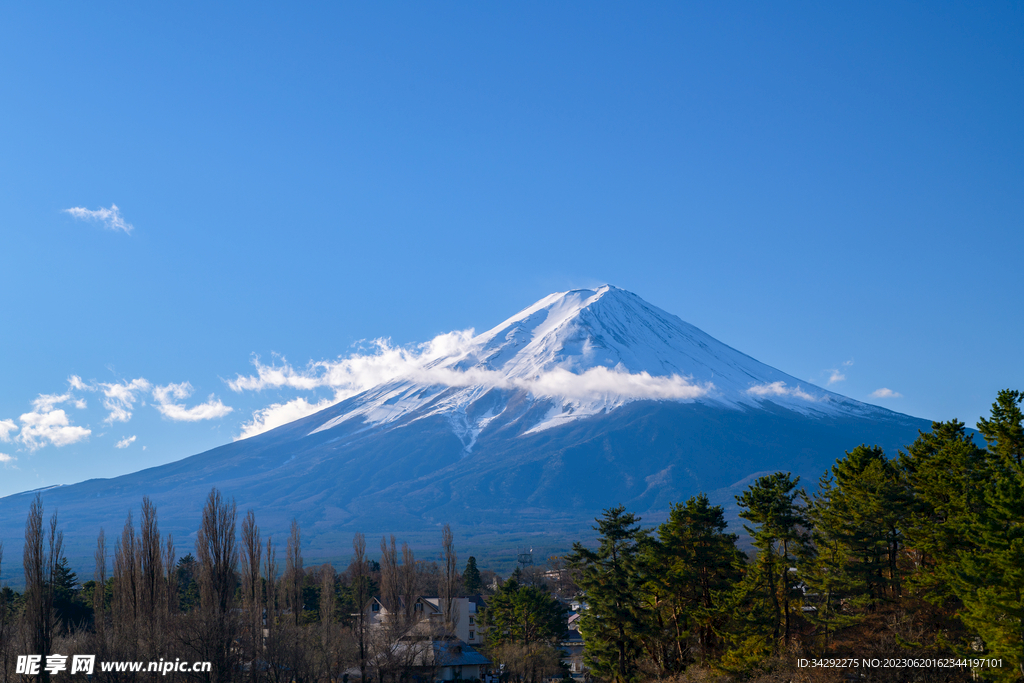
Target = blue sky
(832,190)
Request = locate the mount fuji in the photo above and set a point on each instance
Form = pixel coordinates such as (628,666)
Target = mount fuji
(521,435)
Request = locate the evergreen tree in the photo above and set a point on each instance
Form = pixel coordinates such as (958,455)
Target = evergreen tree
(610,579)
(831,589)
(946,474)
(870,503)
(187,571)
(71,611)
(693,562)
(471,577)
(770,594)
(523,615)
(992,580)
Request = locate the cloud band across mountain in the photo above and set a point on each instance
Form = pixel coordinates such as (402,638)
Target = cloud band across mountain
(423,365)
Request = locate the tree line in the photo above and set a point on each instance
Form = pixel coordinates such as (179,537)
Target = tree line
(234,602)
(920,556)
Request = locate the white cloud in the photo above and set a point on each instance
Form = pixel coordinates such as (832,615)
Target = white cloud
(121,397)
(44,403)
(165,395)
(49,425)
(359,371)
(836,374)
(279,414)
(111,218)
(125,442)
(779,389)
(598,381)
(7,427)
(46,423)
(885,393)
(6,460)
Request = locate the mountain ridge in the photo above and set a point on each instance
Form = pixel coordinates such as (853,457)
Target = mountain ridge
(584,400)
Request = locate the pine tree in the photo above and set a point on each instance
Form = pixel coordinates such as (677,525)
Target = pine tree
(946,474)
(519,614)
(872,505)
(769,595)
(471,577)
(832,591)
(610,578)
(694,562)
(992,580)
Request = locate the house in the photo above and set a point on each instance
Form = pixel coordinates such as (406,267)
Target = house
(455,660)
(571,644)
(422,645)
(429,617)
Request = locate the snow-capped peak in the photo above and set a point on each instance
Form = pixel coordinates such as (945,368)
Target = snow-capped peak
(580,353)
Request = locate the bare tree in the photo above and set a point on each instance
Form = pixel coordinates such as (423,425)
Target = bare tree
(151,582)
(270,569)
(449,581)
(328,617)
(390,581)
(6,626)
(124,605)
(218,560)
(99,594)
(171,583)
(252,593)
(360,594)
(40,566)
(408,582)
(293,573)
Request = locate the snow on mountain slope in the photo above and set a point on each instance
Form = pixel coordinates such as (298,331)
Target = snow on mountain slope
(577,354)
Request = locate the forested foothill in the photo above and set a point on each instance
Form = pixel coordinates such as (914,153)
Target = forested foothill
(887,569)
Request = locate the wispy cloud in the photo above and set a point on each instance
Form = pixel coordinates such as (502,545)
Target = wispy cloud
(7,427)
(111,218)
(119,398)
(357,372)
(6,460)
(557,383)
(165,399)
(838,374)
(125,442)
(886,393)
(779,389)
(278,414)
(384,361)
(47,424)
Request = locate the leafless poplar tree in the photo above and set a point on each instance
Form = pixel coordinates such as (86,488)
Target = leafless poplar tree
(6,628)
(217,551)
(124,605)
(99,594)
(408,581)
(293,573)
(152,594)
(390,581)
(328,616)
(449,581)
(171,583)
(360,594)
(270,582)
(252,592)
(40,566)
